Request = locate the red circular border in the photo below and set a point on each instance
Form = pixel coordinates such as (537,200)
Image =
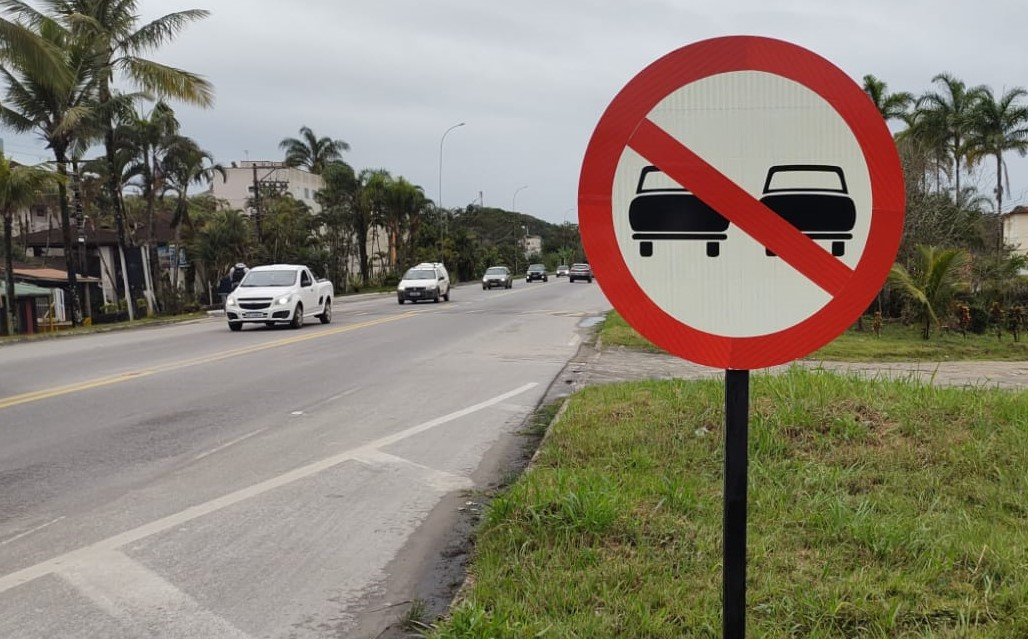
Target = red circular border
(635,102)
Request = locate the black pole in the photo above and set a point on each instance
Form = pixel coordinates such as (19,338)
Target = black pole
(257,205)
(737,401)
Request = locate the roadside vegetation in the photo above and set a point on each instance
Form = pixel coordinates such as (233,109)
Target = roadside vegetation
(892,342)
(877,508)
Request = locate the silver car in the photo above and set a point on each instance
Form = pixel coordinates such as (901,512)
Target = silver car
(498,276)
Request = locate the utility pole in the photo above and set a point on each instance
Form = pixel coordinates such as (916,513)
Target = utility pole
(257,205)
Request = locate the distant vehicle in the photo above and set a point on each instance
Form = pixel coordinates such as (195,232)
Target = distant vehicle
(663,210)
(562,270)
(426,281)
(497,276)
(814,199)
(580,272)
(536,272)
(279,294)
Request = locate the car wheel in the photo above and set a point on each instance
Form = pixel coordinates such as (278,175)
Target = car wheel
(436,298)
(399,300)
(447,296)
(297,321)
(484,287)
(589,281)
(235,326)
(326,315)
(546,279)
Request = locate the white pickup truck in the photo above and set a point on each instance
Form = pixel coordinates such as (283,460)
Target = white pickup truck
(279,293)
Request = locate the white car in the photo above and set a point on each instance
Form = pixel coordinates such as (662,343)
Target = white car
(426,281)
(279,294)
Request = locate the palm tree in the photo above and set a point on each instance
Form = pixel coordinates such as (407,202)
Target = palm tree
(312,152)
(405,202)
(932,283)
(892,106)
(23,47)
(220,241)
(20,186)
(186,164)
(63,114)
(111,30)
(948,116)
(999,126)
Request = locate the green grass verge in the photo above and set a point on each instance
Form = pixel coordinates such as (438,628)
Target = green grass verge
(614,331)
(895,344)
(877,509)
(904,343)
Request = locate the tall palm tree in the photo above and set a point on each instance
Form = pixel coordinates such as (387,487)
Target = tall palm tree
(62,114)
(148,138)
(405,203)
(999,126)
(931,284)
(184,165)
(118,43)
(20,186)
(949,115)
(312,152)
(892,106)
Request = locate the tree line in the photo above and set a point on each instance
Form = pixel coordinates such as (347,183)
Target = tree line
(955,268)
(60,66)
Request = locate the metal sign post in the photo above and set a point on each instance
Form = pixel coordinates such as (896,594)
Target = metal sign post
(737,401)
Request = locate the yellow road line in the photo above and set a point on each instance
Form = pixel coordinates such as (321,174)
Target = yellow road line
(34,396)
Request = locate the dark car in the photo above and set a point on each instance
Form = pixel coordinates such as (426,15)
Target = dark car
(497,276)
(580,272)
(536,272)
(814,199)
(663,210)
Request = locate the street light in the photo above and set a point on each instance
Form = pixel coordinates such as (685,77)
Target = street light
(441,140)
(514,212)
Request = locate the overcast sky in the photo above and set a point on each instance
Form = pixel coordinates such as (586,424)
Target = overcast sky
(530,78)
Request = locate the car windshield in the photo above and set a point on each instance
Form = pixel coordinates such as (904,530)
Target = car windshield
(581,267)
(537,267)
(562,266)
(496,270)
(419,274)
(269,278)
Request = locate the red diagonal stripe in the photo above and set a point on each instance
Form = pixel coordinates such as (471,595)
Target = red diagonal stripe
(739,207)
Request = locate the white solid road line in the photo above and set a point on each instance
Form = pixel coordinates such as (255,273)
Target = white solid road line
(87,553)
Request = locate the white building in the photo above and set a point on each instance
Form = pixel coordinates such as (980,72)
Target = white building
(1015,229)
(237,187)
(533,245)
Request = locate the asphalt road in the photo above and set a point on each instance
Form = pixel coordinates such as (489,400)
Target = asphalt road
(185,481)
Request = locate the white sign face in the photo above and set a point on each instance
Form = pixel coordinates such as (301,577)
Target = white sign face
(791,151)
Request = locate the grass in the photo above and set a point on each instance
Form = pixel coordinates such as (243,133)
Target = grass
(878,509)
(897,343)
(904,343)
(615,331)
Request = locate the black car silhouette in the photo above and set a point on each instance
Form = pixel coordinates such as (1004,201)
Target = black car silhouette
(663,210)
(819,205)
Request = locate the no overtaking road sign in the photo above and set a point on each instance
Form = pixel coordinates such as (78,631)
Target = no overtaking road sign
(741,202)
